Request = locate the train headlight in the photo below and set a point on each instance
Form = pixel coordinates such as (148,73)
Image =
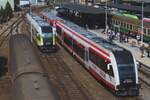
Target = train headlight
(127,81)
(43,35)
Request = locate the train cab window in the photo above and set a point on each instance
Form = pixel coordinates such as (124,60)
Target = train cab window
(58,30)
(46,29)
(38,36)
(127,26)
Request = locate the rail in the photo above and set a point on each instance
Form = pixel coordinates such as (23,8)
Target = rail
(144,73)
(146,67)
(10,28)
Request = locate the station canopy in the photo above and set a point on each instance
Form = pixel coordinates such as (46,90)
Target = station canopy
(84,9)
(128,7)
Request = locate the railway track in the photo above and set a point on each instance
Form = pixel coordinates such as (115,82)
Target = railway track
(59,72)
(145,73)
(61,76)
(7,32)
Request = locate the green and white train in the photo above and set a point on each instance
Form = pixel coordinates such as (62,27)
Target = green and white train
(43,33)
(126,23)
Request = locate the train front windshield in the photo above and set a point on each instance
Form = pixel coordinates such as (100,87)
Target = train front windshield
(47,31)
(126,67)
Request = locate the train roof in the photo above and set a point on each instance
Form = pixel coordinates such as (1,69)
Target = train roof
(130,19)
(127,7)
(39,20)
(87,34)
(83,9)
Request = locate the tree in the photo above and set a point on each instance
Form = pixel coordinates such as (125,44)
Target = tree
(1,14)
(8,11)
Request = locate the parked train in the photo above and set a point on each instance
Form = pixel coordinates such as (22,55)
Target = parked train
(113,66)
(129,23)
(43,33)
(28,77)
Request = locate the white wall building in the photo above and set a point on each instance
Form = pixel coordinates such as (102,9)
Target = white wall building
(33,2)
(3,3)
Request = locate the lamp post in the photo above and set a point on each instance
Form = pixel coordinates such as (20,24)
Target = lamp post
(30,22)
(142,24)
(106,17)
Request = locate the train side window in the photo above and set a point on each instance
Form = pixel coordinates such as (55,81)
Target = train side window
(79,49)
(97,60)
(121,24)
(75,47)
(136,28)
(130,26)
(116,22)
(112,21)
(68,40)
(124,25)
(145,31)
(92,56)
(58,30)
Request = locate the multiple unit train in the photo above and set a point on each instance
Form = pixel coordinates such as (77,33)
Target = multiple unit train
(28,76)
(43,33)
(126,23)
(111,65)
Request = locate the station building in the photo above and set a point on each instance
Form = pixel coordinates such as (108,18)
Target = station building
(3,3)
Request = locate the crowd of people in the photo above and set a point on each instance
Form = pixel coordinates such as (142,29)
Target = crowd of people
(124,38)
(118,36)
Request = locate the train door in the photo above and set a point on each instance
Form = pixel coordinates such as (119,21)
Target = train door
(86,57)
(63,32)
(59,34)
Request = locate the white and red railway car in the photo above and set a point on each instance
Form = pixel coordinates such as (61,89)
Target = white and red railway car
(111,65)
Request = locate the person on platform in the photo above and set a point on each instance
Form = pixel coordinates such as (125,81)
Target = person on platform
(148,50)
(128,35)
(142,49)
(138,37)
